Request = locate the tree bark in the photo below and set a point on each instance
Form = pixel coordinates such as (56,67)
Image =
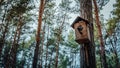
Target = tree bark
(11,62)
(46,58)
(57,53)
(15,45)
(102,46)
(35,58)
(2,40)
(50,58)
(87,50)
(41,47)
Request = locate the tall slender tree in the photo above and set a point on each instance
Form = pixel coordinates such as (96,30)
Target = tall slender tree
(42,47)
(59,39)
(102,49)
(15,45)
(11,59)
(47,44)
(41,10)
(4,24)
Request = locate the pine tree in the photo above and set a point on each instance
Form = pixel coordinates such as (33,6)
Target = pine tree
(41,10)
(103,56)
(87,50)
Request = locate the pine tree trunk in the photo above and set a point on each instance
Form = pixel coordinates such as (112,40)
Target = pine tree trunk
(2,39)
(13,51)
(23,55)
(71,57)
(58,40)
(102,46)
(50,58)
(46,59)
(11,58)
(6,59)
(46,56)
(87,50)
(35,58)
(57,53)
(41,47)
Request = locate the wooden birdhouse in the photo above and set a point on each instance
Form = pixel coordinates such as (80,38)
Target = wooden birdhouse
(81,27)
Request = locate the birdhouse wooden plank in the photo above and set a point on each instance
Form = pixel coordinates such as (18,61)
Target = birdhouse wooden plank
(81,27)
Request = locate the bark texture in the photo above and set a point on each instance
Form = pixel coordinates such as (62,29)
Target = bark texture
(35,58)
(2,39)
(87,50)
(41,47)
(11,62)
(102,46)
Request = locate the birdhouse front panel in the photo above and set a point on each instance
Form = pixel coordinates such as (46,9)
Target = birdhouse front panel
(81,32)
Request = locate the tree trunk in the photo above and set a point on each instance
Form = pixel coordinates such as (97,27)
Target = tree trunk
(46,59)
(41,47)
(2,40)
(35,58)
(46,56)
(50,58)
(23,55)
(13,51)
(57,53)
(102,46)
(6,54)
(87,50)
(58,40)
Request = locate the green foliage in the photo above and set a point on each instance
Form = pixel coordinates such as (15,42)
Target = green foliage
(65,5)
(64,62)
(71,41)
(111,25)
(102,3)
(56,19)
(116,10)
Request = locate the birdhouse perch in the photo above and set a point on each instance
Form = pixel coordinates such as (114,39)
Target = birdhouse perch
(81,27)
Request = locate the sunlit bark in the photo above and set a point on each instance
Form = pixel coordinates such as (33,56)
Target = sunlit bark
(41,10)
(102,46)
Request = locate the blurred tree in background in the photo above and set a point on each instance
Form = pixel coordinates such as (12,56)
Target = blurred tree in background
(56,47)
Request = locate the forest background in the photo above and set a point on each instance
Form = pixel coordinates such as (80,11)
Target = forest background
(23,46)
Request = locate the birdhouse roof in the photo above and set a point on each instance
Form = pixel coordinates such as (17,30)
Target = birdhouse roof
(77,20)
